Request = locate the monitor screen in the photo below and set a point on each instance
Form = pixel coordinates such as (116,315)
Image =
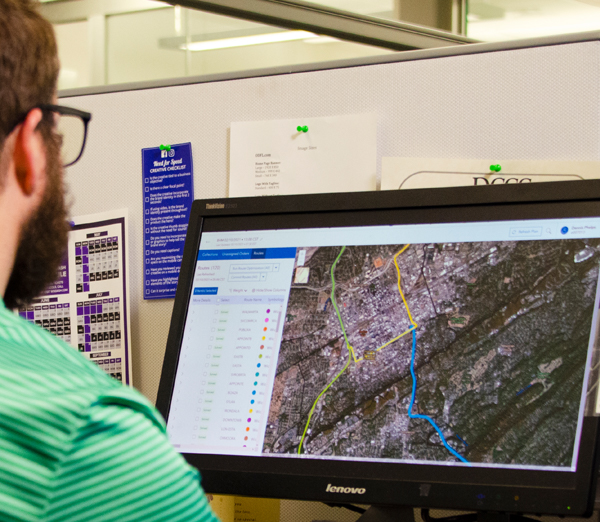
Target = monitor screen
(430,348)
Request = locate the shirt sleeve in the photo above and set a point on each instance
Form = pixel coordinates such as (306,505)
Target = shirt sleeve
(122,467)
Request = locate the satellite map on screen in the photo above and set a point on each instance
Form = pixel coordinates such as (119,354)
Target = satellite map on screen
(443,352)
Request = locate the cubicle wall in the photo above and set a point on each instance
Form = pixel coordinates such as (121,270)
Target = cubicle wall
(536,100)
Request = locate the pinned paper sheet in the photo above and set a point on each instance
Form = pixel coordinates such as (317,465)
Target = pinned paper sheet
(408,173)
(303,155)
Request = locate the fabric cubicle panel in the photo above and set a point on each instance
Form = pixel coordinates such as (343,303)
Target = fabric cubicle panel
(531,102)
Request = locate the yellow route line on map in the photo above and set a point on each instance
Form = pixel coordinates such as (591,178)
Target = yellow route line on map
(414,325)
(382,347)
(400,289)
(351,353)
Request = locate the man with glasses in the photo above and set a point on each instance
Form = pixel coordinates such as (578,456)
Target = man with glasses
(75,444)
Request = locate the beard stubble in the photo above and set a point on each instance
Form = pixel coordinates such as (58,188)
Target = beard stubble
(43,242)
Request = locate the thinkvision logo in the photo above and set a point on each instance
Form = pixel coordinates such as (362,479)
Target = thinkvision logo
(210,206)
(336,489)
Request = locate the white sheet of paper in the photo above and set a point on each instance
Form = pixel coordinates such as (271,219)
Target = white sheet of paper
(337,154)
(408,173)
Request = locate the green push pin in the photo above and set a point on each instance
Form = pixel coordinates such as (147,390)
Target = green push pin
(165,147)
(495,168)
(300,128)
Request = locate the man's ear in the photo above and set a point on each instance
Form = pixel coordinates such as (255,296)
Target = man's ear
(29,154)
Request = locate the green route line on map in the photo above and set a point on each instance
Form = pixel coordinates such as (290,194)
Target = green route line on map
(333,301)
(351,354)
(347,345)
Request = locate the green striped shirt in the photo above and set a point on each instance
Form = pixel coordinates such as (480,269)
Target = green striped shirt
(76,444)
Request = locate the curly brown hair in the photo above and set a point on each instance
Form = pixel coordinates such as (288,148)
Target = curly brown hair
(28,62)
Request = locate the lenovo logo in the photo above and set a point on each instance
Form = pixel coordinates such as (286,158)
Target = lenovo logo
(211,206)
(335,489)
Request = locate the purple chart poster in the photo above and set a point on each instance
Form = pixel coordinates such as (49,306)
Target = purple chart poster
(87,306)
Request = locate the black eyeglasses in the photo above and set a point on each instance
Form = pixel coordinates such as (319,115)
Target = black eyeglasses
(71,125)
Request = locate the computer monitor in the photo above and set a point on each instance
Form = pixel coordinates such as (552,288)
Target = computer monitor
(419,348)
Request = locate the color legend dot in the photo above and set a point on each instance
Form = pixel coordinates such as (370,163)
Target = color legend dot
(249,419)
(267,320)
(268,310)
(260,356)
(258,365)
(254,392)
(257,374)
(252,401)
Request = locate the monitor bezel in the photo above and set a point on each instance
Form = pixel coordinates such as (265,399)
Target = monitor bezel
(519,491)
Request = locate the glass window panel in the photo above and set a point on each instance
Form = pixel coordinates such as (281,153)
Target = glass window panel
(74,53)
(497,20)
(307,50)
(277,54)
(132,47)
(143,40)
(436,14)
(487,20)
(151,45)
(378,8)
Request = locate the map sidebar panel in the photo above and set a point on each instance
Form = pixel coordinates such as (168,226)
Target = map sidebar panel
(87,307)
(231,340)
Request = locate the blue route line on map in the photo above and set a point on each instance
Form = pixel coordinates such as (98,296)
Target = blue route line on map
(461,439)
(524,389)
(412,401)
